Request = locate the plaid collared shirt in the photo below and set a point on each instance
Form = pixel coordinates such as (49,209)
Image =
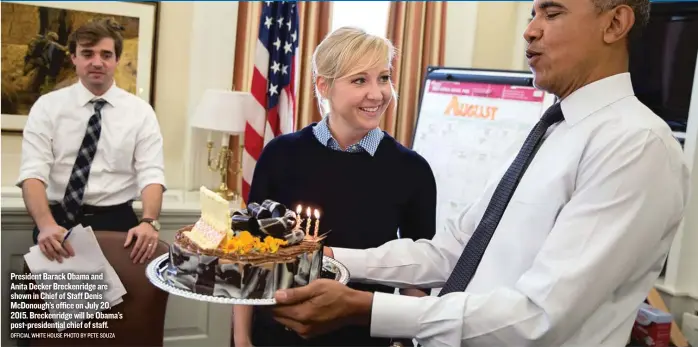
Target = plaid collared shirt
(368,143)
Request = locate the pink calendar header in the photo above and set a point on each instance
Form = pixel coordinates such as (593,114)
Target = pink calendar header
(486,90)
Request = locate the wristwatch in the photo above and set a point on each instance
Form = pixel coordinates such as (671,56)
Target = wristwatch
(153,222)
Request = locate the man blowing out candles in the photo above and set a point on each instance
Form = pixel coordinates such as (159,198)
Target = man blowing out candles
(560,256)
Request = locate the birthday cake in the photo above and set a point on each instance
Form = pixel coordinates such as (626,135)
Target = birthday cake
(245,254)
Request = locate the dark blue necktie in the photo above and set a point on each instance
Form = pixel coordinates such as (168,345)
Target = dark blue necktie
(75,190)
(472,254)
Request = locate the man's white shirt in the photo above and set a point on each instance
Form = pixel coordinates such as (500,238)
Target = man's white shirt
(129,152)
(578,249)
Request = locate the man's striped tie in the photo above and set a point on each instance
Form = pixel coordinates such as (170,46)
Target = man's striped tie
(75,190)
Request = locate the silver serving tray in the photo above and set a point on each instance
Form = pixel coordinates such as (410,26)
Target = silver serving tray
(156,271)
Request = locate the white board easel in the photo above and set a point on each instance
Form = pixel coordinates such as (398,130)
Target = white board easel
(470,123)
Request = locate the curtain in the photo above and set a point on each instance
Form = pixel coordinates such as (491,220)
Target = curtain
(245,44)
(315,17)
(418,31)
(315,22)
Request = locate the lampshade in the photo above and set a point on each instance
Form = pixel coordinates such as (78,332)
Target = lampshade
(223,111)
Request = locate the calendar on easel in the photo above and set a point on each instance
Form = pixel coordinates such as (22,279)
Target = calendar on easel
(470,123)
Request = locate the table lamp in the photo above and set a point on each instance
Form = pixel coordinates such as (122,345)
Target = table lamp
(222,111)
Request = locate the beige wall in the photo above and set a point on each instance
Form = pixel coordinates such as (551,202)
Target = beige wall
(196,43)
(174,42)
(486,35)
(9,158)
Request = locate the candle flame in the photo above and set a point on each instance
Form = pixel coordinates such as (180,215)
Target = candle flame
(317,214)
(308,212)
(299,209)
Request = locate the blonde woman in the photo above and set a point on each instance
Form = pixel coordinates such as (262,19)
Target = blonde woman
(367,184)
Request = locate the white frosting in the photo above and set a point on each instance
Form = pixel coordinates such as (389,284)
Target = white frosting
(205,236)
(214,224)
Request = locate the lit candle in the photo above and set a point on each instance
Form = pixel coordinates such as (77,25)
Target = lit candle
(317,223)
(307,222)
(299,209)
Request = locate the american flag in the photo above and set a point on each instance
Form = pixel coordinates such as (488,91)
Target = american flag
(274,83)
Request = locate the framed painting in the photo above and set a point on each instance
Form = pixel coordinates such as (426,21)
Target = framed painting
(35,57)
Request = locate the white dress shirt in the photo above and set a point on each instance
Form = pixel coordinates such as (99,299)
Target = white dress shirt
(578,249)
(129,153)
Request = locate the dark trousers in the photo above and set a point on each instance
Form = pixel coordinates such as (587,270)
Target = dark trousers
(108,218)
(268,332)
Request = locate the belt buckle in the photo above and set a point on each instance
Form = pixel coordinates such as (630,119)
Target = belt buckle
(81,212)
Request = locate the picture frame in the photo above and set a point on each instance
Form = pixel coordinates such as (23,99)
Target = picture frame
(27,74)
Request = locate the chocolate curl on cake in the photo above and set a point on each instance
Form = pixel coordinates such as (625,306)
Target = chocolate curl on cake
(268,219)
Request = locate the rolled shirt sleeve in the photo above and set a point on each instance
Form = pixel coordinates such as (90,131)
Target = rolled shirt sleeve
(618,223)
(37,156)
(148,156)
